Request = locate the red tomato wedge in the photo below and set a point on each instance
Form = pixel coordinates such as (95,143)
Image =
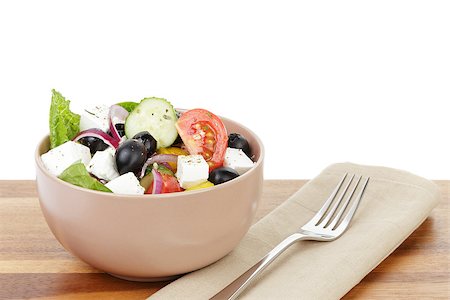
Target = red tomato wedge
(169,185)
(203,133)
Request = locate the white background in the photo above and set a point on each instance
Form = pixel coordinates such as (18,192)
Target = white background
(319,81)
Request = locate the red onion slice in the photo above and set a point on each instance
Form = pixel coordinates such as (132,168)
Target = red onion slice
(158,158)
(100,134)
(117,114)
(157,182)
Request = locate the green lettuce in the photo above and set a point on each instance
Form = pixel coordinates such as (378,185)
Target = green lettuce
(64,124)
(129,106)
(78,175)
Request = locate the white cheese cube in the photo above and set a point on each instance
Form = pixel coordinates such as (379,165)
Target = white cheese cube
(95,117)
(237,160)
(191,170)
(60,158)
(126,184)
(103,165)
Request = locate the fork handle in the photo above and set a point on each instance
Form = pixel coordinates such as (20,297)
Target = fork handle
(234,289)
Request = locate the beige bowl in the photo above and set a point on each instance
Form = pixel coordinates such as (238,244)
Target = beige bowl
(152,237)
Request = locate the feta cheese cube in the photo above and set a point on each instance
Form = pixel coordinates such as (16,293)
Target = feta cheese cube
(60,158)
(126,184)
(103,165)
(95,117)
(191,170)
(237,160)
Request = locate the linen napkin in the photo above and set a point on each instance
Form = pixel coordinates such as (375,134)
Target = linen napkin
(395,203)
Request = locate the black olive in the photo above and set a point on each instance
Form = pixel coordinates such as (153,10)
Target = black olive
(148,140)
(130,157)
(178,142)
(120,129)
(93,143)
(238,141)
(222,174)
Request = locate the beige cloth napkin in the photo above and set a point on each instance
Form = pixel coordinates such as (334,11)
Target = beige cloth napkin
(394,204)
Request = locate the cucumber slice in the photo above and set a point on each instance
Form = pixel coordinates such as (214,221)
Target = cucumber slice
(155,115)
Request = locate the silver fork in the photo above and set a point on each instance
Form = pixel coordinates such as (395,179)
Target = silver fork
(326,226)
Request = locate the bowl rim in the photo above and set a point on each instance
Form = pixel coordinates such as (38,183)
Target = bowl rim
(242,177)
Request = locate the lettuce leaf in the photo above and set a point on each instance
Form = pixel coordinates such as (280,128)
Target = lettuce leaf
(129,106)
(64,124)
(78,175)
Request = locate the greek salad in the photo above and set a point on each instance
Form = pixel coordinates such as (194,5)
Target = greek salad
(144,147)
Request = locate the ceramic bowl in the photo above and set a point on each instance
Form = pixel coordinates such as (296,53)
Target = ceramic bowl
(152,237)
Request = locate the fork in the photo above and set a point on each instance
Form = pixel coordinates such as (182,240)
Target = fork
(326,226)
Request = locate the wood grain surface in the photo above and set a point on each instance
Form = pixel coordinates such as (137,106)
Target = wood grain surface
(34,265)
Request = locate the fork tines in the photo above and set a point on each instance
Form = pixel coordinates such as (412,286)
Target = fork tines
(349,189)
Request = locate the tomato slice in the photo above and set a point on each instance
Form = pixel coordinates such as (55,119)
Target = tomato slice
(170,185)
(204,133)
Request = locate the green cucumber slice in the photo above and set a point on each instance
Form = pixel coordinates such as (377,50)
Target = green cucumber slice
(155,115)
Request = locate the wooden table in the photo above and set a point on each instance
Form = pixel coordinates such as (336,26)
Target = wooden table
(34,265)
